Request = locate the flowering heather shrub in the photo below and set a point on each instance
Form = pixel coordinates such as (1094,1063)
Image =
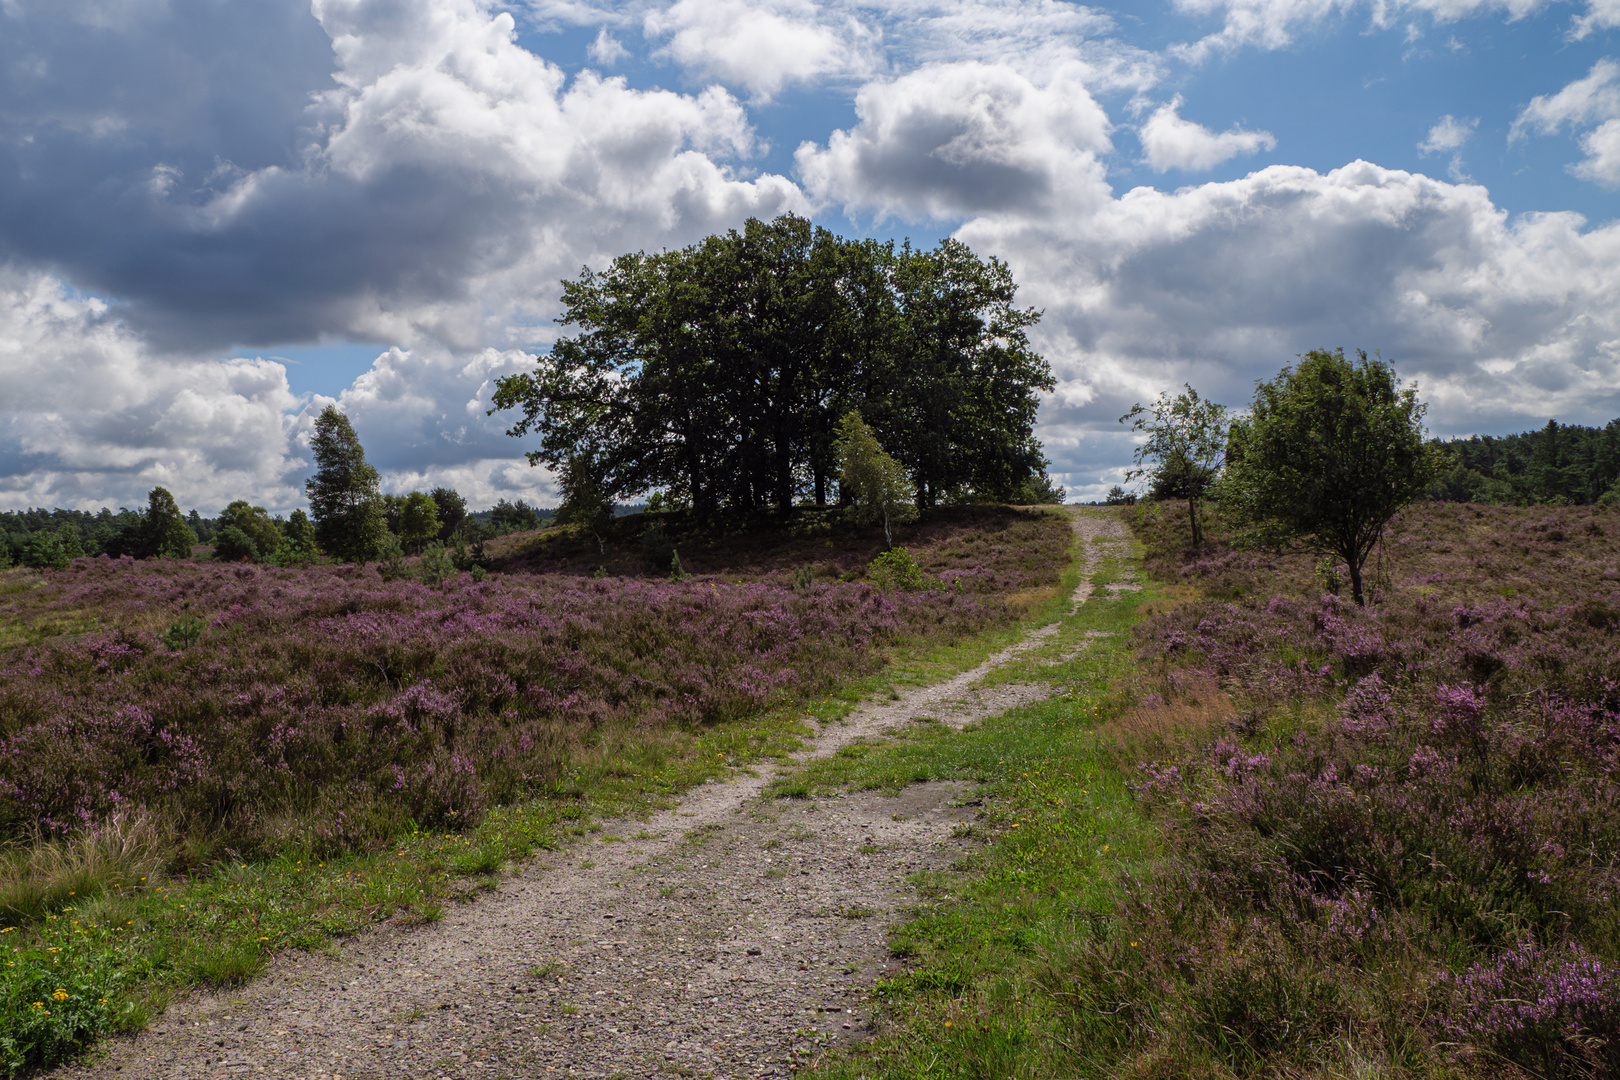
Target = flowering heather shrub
(328,706)
(1556,1014)
(1432,780)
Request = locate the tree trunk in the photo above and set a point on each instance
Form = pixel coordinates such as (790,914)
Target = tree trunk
(1197,533)
(1354,565)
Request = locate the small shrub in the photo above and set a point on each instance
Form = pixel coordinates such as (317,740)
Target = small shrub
(657,549)
(897,569)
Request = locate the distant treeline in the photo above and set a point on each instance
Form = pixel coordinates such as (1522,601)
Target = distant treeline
(1560,464)
(39,538)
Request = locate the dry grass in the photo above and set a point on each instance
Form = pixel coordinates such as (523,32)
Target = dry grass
(48,875)
(1173,716)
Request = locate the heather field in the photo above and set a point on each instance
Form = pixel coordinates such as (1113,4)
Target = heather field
(1267,832)
(187,723)
(1403,847)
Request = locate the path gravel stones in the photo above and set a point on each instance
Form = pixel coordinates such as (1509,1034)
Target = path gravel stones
(729,937)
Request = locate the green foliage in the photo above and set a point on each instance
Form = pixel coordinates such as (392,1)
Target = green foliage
(717,373)
(298,544)
(183,633)
(1183,449)
(872,480)
(451,508)
(348,512)
(164,531)
(897,569)
(1331,451)
(657,549)
(1039,490)
(418,521)
(233,545)
(585,499)
(45,551)
(254,523)
(1118,496)
(1559,464)
(390,556)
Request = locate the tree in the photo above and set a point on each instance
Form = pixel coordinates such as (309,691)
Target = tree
(164,531)
(1183,449)
(452,509)
(418,521)
(585,500)
(231,544)
(875,482)
(718,373)
(254,523)
(1331,450)
(343,497)
(298,542)
(955,395)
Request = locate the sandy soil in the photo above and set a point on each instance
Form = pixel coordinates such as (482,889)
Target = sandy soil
(728,937)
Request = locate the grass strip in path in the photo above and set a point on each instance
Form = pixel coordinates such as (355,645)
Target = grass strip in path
(990,988)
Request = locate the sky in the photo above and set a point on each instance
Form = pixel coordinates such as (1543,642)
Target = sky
(218,218)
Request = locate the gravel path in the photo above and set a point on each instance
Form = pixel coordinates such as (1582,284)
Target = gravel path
(729,937)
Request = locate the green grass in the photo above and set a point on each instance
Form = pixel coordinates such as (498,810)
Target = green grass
(983,994)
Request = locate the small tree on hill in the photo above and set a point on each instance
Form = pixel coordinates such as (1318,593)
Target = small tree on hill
(1331,451)
(164,531)
(1186,440)
(875,482)
(343,497)
(585,498)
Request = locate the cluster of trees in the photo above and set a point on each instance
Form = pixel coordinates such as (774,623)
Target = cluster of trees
(1329,451)
(351,520)
(1559,464)
(716,375)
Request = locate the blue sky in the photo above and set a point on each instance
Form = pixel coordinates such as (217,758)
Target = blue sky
(216,218)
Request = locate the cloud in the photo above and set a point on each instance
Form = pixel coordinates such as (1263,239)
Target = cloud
(1503,324)
(1584,101)
(1448,135)
(1600,15)
(1174,143)
(89,416)
(411,173)
(760,47)
(1274,24)
(606,49)
(968,138)
(1596,97)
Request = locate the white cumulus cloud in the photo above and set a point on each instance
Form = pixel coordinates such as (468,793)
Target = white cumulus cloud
(760,47)
(1594,99)
(968,138)
(1171,142)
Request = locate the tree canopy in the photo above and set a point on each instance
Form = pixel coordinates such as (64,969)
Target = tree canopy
(343,498)
(1331,450)
(717,373)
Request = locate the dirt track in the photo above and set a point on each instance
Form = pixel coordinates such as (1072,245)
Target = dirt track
(728,937)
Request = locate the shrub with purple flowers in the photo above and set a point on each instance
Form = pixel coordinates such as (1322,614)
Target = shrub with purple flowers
(330,707)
